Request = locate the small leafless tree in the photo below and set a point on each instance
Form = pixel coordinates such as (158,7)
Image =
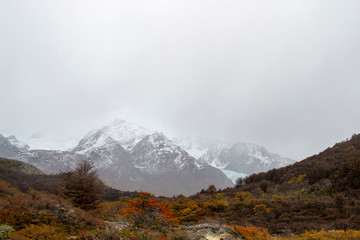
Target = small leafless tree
(83,186)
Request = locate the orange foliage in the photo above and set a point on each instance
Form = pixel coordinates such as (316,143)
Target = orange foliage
(18,209)
(146,210)
(252,232)
(22,209)
(38,232)
(323,235)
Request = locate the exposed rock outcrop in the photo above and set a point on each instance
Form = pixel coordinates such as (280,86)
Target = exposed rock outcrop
(208,231)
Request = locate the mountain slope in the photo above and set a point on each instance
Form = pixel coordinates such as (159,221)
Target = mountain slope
(197,147)
(162,161)
(235,160)
(339,164)
(10,146)
(18,166)
(250,158)
(156,154)
(149,161)
(320,192)
(130,157)
(25,176)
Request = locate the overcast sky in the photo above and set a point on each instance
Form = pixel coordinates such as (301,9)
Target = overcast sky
(282,74)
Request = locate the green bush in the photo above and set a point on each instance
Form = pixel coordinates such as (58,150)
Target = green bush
(5,230)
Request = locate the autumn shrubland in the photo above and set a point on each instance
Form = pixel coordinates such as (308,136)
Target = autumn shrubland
(317,198)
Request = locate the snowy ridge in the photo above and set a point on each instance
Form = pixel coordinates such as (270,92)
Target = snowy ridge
(205,150)
(251,158)
(20,145)
(194,148)
(123,132)
(156,153)
(254,152)
(262,154)
(11,147)
(212,156)
(235,160)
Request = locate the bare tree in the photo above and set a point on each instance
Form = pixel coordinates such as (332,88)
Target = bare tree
(83,186)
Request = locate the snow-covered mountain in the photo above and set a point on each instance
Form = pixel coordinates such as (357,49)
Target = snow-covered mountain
(156,154)
(130,157)
(11,147)
(200,147)
(125,133)
(250,158)
(235,160)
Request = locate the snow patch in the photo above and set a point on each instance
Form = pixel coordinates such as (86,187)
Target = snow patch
(197,148)
(20,145)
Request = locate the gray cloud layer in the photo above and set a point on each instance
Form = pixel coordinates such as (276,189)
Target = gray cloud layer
(284,74)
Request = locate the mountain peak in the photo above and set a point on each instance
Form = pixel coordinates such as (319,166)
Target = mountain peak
(20,145)
(157,137)
(121,131)
(10,146)
(14,142)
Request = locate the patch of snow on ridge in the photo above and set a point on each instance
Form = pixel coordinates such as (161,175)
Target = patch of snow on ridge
(201,148)
(255,151)
(194,148)
(217,163)
(127,134)
(200,164)
(20,145)
(261,157)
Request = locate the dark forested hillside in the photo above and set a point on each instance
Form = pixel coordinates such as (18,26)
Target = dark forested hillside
(339,164)
(19,166)
(25,177)
(320,192)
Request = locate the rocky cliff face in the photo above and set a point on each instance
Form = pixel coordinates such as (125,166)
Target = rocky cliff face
(207,231)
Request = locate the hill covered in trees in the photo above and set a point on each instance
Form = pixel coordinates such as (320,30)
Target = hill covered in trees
(320,192)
